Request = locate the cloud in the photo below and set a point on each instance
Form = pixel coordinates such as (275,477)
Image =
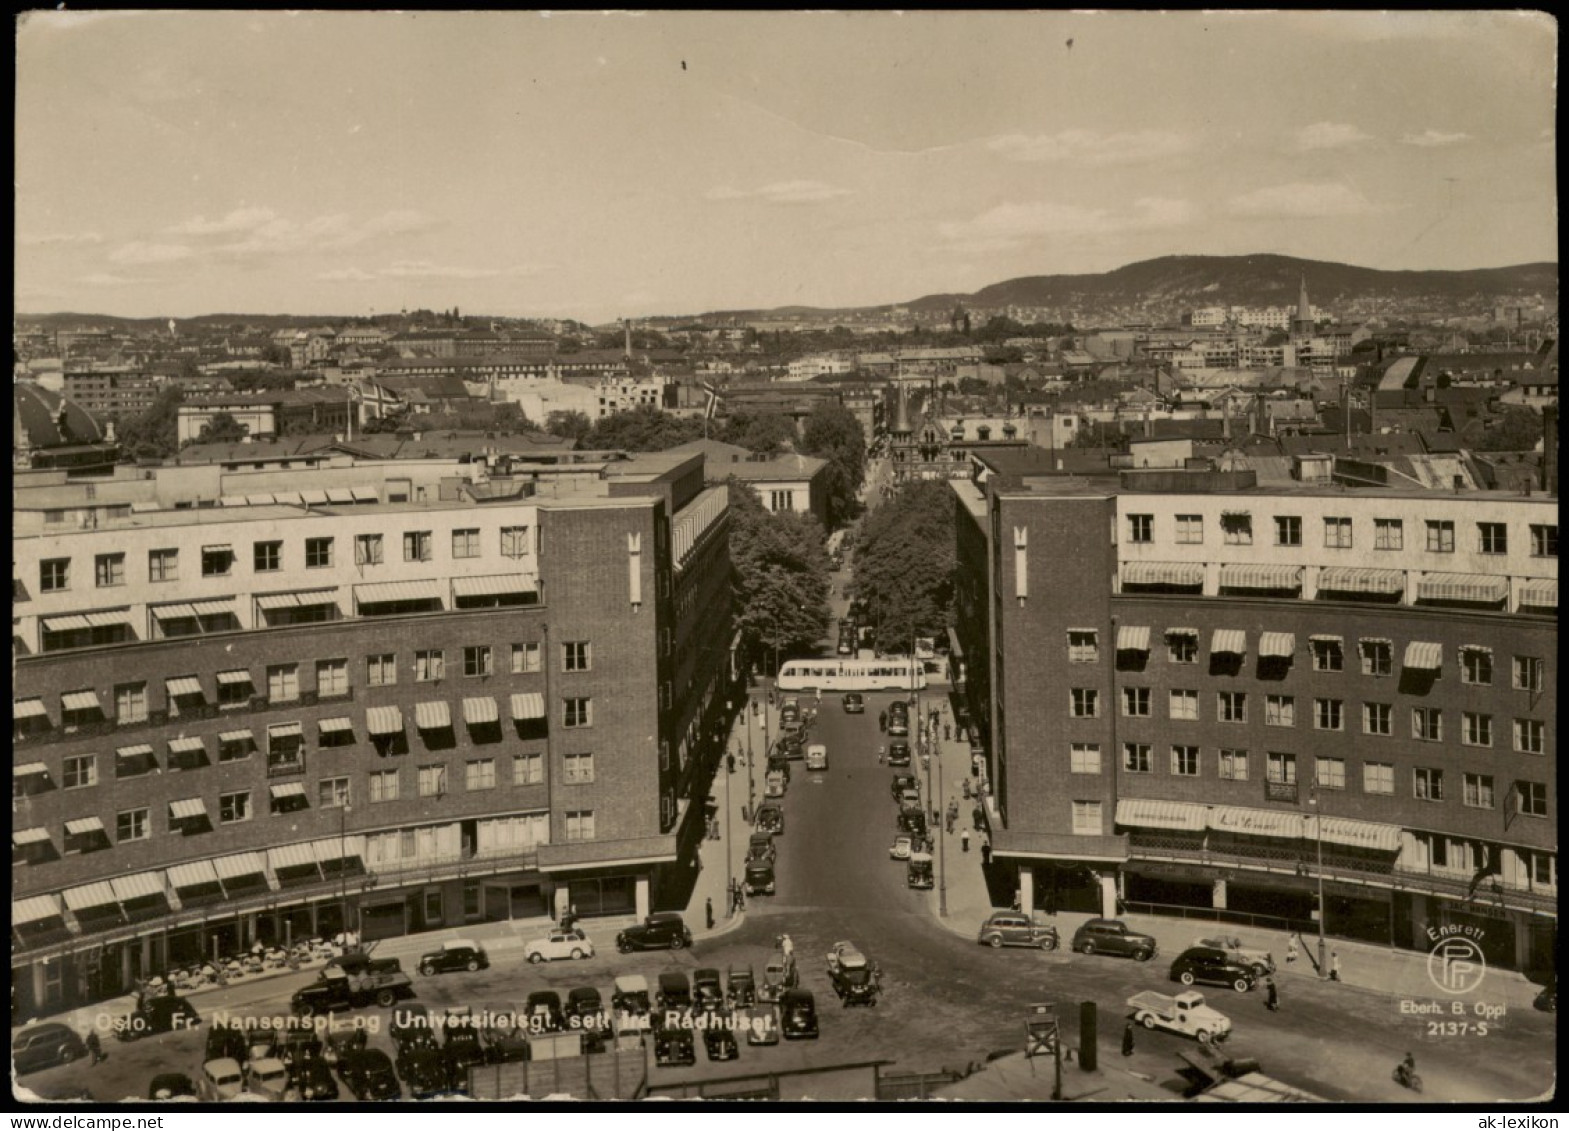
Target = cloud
(424,269)
(103,279)
(1008,225)
(278,235)
(1432,139)
(1085,147)
(347,275)
(60,238)
(1302,199)
(1330,135)
(781,192)
(239,220)
(137,252)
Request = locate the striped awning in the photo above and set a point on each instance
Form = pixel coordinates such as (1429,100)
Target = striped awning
(90,895)
(388,591)
(291,856)
(314,497)
(304,598)
(1359,834)
(215,607)
(142,885)
(240,864)
(1260,575)
(331,848)
(288,789)
(73,623)
(229,679)
(192,875)
(1162,573)
(80,701)
(1541,593)
(1480,587)
(285,730)
(262,499)
(187,745)
(35,909)
(384,720)
(435,715)
(187,809)
(288,498)
(236,736)
(184,685)
(1281,644)
(480,710)
(1350,579)
(495,586)
(109,619)
(339,495)
(28,709)
(173,612)
(528,705)
(365,494)
(1148,814)
(336,725)
(30,836)
(139,750)
(1425,655)
(1133,638)
(1324,638)
(1232,641)
(30,769)
(81,826)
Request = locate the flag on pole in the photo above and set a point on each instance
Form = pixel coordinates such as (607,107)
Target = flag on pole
(713,401)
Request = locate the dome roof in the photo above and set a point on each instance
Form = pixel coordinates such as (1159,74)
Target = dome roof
(46,419)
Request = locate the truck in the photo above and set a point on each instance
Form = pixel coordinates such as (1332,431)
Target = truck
(1184,1013)
(380,981)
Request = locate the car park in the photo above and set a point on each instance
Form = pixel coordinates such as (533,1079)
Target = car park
(663,930)
(221,1080)
(854,703)
(1015,928)
(544,1012)
(171,1086)
(798,1015)
(1113,936)
(455,954)
(1211,965)
(44,1046)
(314,1083)
(368,1075)
(631,995)
(559,944)
(898,752)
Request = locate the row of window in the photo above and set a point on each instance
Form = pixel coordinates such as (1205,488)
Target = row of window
(1388,533)
(54,574)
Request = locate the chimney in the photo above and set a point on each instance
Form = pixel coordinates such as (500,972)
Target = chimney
(1550,449)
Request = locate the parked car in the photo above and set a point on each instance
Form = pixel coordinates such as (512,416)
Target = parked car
(368,1075)
(1113,936)
(1260,962)
(817,756)
(297,1046)
(760,846)
(674,1047)
(707,990)
(898,727)
(918,873)
(912,820)
(663,930)
(1547,999)
(777,978)
(424,1072)
(341,1044)
(631,995)
(741,990)
(171,1086)
(798,1015)
(313,1080)
(903,783)
(268,1077)
(1212,965)
(456,954)
(44,1046)
(675,992)
(224,1042)
(544,1012)
(901,847)
(1015,928)
(260,1044)
(411,1025)
(583,1002)
(762,1025)
(719,1042)
(462,1050)
(758,878)
(165,1013)
(854,704)
(770,819)
(898,752)
(559,944)
(221,1080)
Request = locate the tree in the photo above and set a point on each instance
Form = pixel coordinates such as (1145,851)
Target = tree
(642,429)
(1098,434)
(904,565)
(569,425)
(223,429)
(781,575)
(833,433)
(766,433)
(155,433)
(1514,430)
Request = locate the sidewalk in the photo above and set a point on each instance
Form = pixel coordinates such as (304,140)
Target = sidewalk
(723,860)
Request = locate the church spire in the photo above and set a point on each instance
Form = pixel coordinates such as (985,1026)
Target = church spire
(1304,310)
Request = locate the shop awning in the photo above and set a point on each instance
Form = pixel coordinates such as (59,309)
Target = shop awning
(29,836)
(192,875)
(184,685)
(1133,638)
(35,909)
(1231,641)
(495,586)
(285,730)
(30,770)
(236,736)
(1349,579)
(479,710)
(80,701)
(1260,575)
(1278,644)
(262,499)
(229,679)
(287,789)
(314,497)
(337,725)
(1148,814)
(288,498)
(28,709)
(305,598)
(109,619)
(90,895)
(332,848)
(142,885)
(187,809)
(1540,593)
(1359,834)
(1257,822)
(73,623)
(216,607)
(365,494)
(528,705)
(388,591)
(1425,655)
(435,715)
(240,864)
(140,750)
(1479,587)
(339,495)
(1193,632)
(384,720)
(173,612)
(1162,573)
(291,856)
(189,744)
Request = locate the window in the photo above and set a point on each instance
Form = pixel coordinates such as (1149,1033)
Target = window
(1531,798)
(525,658)
(1528,673)
(1185,761)
(1475,729)
(1337,534)
(1429,783)
(383,786)
(283,683)
(1477,791)
(1141,528)
(579,768)
(432,781)
(1378,718)
(1084,758)
(1085,703)
(480,774)
(367,549)
(1136,702)
(1190,529)
(80,771)
(130,703)
(528,769)
(1440,536)
(1136,757)
(332,793)
(109,570)
(465,543)
(429,665)
(476,660)
(1378,657)
(318,553)
(1427,723)
(1184,704)
(514,541)
(381,670)
(1476,666)
(1234,765)
(1378,777)
(54,575)
(1530,736)
(1232,706)
(163,565)
(416,546)
(781,501)
(1389,534)
(577,712)
(1328,655)
(1541,868)
(332,678)
(234,688)
(1544,541)
(580,825)
(234,807)
(1182,648)
(576,656)
(1281,769)
(132,824)
(1280,711)
(1288,530)
(217,561)
(1083,647)
(267,557)
(1329,773)
(1238,529)
(1087,818)
(1328,714)
(1492,537)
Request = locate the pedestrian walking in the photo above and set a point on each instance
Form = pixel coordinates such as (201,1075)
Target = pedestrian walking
(1127,1039)
(947,732)
(978,816)
(1271,995)
(964,840)
(708,908)
(966,784)
(986,854)
(95,1047)
(1291,949)
(730,761)
(1334,966)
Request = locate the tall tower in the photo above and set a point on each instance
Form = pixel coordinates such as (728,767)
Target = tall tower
(1302,324)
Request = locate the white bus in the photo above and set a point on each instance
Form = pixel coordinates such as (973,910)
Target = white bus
(891,673)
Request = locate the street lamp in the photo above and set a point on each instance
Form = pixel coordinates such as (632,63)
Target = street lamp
(1318,832)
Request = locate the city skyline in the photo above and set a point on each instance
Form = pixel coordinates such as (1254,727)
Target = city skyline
(594,166)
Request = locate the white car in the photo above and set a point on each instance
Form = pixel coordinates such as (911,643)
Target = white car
(846,956)
(560,944)
(269,1079)
(901,847)
(221,1080)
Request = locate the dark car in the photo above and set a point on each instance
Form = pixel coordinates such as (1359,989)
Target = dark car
(854,704)
(461,1051)
(760,846)
(898,725)
(759,878)
(718,1041)
(1211,965)
(898,752)
(798,1015)
(707,989)
(584,1002)
(368,1074)
(411,1025)
(674,1047)
(170,1086)
(675,993)
(44,1046)
(770,819)
(913,821)
(313,1080)
(544,1012)
(902,782)
(741,990)
(1113,936)
(458,954)
(297,1047)
(226,1043)
(163,1014)
(424,1071)
(855,985)
(662,930)
(1015,928)
(340,1044)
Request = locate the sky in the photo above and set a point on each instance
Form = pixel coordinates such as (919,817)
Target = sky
(598,166)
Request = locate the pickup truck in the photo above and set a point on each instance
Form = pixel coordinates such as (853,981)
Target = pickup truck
(1185,1013)
(381,982)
